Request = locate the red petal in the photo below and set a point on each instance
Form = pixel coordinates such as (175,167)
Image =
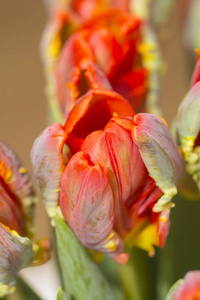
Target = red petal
(92,112)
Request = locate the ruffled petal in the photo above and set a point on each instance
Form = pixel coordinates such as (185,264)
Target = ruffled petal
(48,164)
(92,112)
(160,155)
(15,253)
(81,81)
(17,180)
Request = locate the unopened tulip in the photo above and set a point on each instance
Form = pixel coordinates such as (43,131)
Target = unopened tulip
(118,184)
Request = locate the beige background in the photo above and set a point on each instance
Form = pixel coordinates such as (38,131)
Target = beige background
(22,101)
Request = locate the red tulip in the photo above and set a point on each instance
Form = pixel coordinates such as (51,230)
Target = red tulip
(111,41)
(118,184)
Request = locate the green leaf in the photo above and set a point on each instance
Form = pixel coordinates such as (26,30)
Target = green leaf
(82,278)
(61,295)
(173,288)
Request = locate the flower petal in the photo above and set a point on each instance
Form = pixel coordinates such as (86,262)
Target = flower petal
(16,178)
(92,112)
(196,72)
(188,118)
(48,164)
(160,155)
(15,253)
(87,204)
(81,81)
(189,288)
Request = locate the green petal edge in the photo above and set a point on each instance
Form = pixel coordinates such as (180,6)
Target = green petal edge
(172,289)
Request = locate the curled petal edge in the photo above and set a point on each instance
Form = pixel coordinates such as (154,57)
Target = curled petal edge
(160,155)
(16,253)
(48,165)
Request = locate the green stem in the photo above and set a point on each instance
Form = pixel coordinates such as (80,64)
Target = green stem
(135,276)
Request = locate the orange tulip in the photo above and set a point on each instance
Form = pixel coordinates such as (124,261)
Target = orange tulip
(116,177)
(112,42)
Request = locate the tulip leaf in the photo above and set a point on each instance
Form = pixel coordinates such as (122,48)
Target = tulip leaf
(172,289)
(82,278)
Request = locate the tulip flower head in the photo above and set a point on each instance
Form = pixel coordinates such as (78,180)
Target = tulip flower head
(117,43)
(188,288)
(17,202)
(117,179)
(121,46)
(188,127)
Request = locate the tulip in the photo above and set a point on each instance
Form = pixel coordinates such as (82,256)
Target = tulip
(188,131)
(115,177)
(111,41)
(17,202)
(128,56)
(187,288)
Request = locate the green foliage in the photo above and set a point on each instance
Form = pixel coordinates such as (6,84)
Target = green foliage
(82,278)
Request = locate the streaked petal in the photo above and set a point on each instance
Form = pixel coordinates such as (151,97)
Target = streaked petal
(76,52)
(15,253)
(87,204)
(16,178)
(81,81)
(48,164)
(92,112)
(11,213)
(163,227)
(160,155)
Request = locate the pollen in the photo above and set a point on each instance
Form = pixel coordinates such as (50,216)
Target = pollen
(115,114)
(163,219)
(22,170)
(111,246)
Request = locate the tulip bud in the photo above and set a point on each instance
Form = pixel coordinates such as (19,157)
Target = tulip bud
(17,201)
(118,184)
(188,131)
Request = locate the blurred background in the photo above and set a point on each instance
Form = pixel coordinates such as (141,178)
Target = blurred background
(23,107)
